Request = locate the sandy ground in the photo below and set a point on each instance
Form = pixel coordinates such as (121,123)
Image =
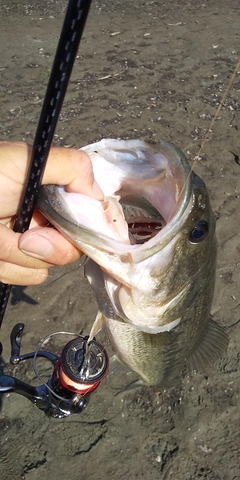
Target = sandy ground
(161,76)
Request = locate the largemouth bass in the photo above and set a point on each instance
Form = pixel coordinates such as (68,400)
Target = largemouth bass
(151,250)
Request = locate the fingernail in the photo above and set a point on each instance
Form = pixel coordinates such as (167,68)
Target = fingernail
(97,191)
(36,245)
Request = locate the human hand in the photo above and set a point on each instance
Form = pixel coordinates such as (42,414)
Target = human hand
(25,258)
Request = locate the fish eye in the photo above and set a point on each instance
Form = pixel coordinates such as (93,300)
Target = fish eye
(198,181)
(199,233)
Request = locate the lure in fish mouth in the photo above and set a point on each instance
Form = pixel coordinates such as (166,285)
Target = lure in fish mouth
(151,251)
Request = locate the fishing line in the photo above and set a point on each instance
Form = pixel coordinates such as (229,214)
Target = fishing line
(217,112)
(209,131)
(206,137)
(43,342)
(74,22)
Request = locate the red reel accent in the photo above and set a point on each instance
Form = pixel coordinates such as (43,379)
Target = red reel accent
(66,382)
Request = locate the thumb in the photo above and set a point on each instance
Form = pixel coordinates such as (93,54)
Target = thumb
(72,168)
(49,245)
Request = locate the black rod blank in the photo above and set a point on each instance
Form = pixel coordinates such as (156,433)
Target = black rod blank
(71,34)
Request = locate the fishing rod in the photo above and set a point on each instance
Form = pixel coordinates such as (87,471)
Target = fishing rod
(70,37)
(75,381)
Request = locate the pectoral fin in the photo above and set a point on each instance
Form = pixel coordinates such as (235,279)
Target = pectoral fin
(211,347)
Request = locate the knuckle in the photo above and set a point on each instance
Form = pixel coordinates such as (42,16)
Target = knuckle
(5,272)
(69,256)
(6,249)
(82,161)
(38,276)
(14,274)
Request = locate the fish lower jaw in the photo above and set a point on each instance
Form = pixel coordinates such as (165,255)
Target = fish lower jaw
(157,329)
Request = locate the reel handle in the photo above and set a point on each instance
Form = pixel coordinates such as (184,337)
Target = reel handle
(15,339)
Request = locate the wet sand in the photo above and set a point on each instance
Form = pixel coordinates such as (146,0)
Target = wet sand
(152,71)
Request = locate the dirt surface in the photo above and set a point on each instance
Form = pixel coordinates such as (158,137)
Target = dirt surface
(150,70)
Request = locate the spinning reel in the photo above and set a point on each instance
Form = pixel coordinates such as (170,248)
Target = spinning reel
(77,372)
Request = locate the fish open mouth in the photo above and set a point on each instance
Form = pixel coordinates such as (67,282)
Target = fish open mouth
(142,226)
(142,231)
(146,191)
